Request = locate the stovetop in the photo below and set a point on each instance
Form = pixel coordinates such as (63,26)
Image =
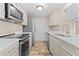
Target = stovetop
(23,35)
(19,36)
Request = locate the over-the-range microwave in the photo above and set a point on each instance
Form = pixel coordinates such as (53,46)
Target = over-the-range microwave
(12,13)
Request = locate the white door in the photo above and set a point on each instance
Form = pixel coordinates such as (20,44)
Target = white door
(40,29)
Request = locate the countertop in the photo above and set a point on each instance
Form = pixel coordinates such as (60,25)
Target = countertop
(15,35)
(6,42)
(73,40)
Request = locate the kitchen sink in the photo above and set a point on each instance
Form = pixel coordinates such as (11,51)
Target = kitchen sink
(63,35)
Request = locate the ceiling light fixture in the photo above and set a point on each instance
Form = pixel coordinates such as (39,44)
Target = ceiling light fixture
(39,7)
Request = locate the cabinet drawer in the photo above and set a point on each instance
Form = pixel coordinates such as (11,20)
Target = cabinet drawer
(13,48)
(4,52)
(8,50)
(13,52)
(16,44)
(70,48)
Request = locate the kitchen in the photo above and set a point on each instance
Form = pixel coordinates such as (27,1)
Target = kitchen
(39,29)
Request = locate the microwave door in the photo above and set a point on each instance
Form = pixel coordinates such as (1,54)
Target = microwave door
(14,12)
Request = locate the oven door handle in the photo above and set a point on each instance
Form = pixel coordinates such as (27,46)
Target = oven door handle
(24,41)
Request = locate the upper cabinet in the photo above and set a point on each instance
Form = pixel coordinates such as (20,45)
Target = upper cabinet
(24,18)
(13,12)
(24,14)
(56,18)
(51,20)
(73,12)
(2,11)
(21,7)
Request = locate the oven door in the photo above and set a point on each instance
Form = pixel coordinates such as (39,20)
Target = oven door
(25,49)
(12,12)
(24,46)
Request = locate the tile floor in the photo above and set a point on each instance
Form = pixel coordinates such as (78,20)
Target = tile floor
(39,49)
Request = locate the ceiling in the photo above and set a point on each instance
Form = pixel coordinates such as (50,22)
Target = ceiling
(49,8)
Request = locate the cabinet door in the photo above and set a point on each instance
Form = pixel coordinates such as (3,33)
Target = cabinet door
(2,11)
(24,14)
(51,20)
(56,49)
(24,18)
(57,18)
(51,44)
(50,23)
(10,50)
(56,46)
(63,52)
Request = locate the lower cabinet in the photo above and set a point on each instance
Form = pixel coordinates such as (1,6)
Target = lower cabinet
(63,52)
(55,47)
(51,45)
(56,50)
(11,50)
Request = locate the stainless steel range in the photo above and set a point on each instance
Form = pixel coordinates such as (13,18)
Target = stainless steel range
(24,45)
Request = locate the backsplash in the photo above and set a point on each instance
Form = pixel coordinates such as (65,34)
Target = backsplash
(7,28)
(67,26)
(55,28)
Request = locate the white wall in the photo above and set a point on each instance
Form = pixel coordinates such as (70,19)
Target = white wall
(7,28)
(40,28)
(29,26)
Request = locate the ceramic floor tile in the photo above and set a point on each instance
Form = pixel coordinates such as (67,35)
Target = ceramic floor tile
(39,49)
